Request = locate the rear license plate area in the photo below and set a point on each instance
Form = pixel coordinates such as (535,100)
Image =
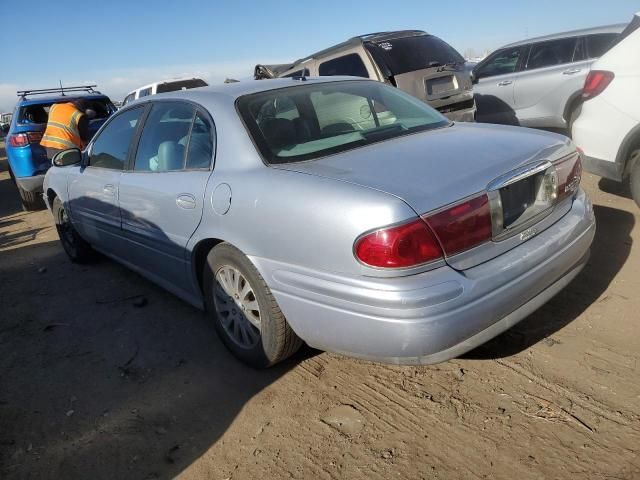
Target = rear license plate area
(518,198)
(440,85)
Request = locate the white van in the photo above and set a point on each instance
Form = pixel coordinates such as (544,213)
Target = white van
(608,128)
(163,87)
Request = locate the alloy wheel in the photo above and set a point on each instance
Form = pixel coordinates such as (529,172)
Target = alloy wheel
(237,306)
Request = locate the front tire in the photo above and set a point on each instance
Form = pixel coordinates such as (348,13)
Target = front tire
(246,315)
(634,178)
(76,248)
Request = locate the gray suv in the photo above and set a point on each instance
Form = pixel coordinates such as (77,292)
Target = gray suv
(538,82)
(422,65)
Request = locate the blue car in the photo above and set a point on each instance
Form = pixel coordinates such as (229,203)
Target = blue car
(28,160)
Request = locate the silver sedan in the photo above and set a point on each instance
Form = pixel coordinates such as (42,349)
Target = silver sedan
(336,211)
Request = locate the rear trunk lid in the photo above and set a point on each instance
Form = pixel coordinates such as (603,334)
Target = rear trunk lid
(441,167)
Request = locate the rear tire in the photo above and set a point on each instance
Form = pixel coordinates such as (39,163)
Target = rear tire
(634,178)
(31,201)
(246,315)
(77,249)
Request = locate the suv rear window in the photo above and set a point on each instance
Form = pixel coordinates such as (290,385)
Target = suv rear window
(408,54)
(39,113)
(310,121)
(180,85)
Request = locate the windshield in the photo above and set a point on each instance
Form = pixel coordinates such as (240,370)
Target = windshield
(309,121)
(408,54)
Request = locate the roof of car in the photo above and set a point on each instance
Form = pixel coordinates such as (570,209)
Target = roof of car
(238,89)
(353,41)
(617,28)
(36,100)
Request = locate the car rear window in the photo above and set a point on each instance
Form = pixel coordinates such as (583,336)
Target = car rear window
(408,54)
(180,85)
(38,113)
(305,122)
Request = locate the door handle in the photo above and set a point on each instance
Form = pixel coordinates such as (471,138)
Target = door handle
(186,201)
(504,83)
(572,71)
(109,189)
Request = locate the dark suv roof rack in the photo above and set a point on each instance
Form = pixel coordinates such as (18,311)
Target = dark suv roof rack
(61,90)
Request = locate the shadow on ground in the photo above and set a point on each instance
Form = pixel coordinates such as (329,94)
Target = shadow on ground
(620,189)
(104,375)
(609,252)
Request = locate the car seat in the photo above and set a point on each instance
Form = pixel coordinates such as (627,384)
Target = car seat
(170,156)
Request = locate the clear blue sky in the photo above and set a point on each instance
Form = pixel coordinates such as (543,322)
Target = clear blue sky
(121,44)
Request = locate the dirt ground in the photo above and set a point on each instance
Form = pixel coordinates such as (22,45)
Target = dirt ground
(105,376)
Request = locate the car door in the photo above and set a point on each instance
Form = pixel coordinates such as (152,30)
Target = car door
(495,79)
(553,72)
(93,189)
(162,192)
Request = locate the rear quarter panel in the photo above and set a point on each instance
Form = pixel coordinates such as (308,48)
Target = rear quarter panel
(297,219)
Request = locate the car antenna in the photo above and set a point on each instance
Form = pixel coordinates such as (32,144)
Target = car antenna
(61,89)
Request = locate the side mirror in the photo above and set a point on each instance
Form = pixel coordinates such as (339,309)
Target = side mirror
(73,156)
(474,77)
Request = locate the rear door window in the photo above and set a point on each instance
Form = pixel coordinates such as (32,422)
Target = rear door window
(144,92)
(501,63)
(350,64)
(164,139)
(200,149)
(597,45)
(110,149)
(549,54)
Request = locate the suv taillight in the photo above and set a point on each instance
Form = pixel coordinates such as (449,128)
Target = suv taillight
(462,226)
(18,140)
(24,139)
(596,82)
(401,246)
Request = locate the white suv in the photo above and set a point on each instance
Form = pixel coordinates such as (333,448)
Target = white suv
(608,128)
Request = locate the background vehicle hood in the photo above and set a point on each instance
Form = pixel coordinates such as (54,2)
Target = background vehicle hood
(431,169)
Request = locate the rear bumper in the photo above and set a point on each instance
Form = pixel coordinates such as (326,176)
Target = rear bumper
(439,314)
(31,184)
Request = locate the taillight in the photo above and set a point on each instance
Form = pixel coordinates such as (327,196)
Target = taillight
(596,82)
(24,139)
(34,137)
(569,172)
(463,225)
(18,140)
(401,246)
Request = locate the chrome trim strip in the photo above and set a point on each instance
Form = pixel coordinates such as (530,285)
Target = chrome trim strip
(518,174)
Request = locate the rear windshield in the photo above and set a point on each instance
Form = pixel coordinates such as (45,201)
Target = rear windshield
(310,121)
(39,112)
(180,85)
(408,54)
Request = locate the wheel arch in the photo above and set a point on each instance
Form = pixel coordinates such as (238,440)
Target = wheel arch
(574,101)
(199,257)
(630,143)
(51,196)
